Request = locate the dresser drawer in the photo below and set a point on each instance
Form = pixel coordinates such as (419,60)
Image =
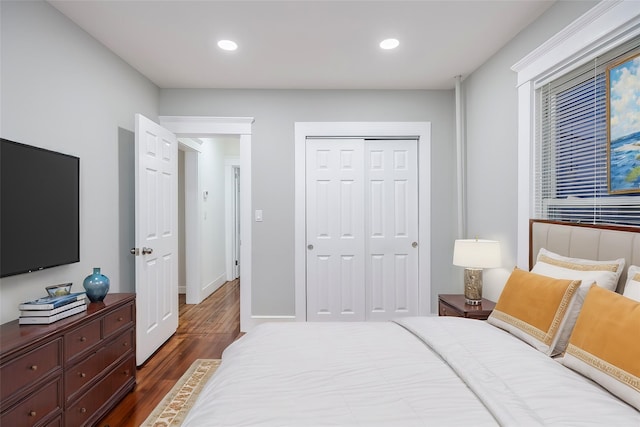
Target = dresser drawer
(118,347)
(31,367)
(42,404)
(78,376)
(81,339)
(122,375)
(80,413)
(119,319)
(445,310)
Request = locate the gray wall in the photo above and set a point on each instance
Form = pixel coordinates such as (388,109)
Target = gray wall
(491,103)
(64,91)
(275,112)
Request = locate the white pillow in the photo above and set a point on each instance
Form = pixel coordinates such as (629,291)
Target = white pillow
(632,287)
(603,273)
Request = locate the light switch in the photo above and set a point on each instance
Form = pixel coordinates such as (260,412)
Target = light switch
(258,215)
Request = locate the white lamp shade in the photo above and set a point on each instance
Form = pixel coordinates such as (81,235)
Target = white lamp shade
(476,253)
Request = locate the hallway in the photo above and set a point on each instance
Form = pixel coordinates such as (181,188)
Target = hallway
(204,331)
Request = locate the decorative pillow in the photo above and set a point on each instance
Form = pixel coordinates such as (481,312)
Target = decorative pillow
(603,273)
(604,345)
(632,287)
(534,308)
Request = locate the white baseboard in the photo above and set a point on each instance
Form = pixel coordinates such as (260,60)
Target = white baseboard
(212,286)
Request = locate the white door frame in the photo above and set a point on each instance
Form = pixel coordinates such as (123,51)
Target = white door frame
(230,166)
(419,130)
(191,219)
(202,127)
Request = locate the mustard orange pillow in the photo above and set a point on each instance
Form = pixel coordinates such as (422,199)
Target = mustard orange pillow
(605,343)
(603,273)
(534,308)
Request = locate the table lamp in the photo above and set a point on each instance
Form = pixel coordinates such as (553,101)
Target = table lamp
(474,255)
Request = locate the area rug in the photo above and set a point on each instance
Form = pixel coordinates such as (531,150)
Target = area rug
(175,406)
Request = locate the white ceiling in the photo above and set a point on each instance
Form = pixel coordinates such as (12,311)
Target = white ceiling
(303,44)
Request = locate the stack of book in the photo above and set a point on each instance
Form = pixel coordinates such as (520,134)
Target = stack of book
(43,311)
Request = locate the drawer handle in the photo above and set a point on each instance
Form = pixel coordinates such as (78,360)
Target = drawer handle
(124,344)
(83,410)
(83,339)
(32,413)
(126,372)
(34,367)
(82,374)
(120,319)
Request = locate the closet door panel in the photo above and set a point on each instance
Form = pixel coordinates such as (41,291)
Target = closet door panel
(391,276)
(335,229)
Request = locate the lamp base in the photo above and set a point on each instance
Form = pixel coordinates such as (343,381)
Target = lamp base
(473,286)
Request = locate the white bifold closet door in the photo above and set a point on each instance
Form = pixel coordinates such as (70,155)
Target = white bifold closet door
(362,229)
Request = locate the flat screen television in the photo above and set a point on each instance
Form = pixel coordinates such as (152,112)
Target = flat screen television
(39,208)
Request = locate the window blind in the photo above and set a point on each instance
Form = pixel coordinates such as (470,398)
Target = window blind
(570,166)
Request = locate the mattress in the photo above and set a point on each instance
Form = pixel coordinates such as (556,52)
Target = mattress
(416,371)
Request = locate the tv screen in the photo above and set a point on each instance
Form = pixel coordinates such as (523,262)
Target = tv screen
(39,208)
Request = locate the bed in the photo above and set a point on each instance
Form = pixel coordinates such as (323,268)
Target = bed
(512,370)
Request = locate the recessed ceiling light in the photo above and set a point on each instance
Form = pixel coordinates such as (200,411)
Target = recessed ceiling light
(389,44)
(227,45)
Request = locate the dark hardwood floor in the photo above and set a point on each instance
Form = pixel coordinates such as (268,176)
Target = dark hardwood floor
(204,331)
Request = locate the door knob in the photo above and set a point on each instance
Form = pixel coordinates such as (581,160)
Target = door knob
(145,251)
(414,245)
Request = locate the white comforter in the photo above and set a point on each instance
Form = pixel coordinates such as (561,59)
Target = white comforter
(422,371)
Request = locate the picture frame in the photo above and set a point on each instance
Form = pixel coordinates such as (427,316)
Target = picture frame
(623,126)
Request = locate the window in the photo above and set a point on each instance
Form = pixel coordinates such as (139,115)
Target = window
(571,147)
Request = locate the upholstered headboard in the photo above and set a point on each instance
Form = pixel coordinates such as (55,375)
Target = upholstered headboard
(595,241)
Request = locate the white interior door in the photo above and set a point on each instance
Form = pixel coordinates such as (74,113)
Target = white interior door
(362,229)
(236,222)
(156,223)
(335,229)
(391,218)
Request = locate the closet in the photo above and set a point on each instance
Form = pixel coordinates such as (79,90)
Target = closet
(361,228)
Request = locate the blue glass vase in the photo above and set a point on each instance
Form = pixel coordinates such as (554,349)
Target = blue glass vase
(96,285)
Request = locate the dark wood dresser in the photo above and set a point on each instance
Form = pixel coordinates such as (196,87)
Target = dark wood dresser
(69,373)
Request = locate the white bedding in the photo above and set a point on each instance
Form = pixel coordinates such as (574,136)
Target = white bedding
(422,371)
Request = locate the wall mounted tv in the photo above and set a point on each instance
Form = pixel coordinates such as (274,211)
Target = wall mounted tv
(39,208)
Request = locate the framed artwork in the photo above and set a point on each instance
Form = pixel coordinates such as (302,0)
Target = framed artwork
(623,126)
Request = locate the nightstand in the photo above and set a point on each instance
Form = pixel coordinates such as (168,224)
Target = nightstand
(454,305)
